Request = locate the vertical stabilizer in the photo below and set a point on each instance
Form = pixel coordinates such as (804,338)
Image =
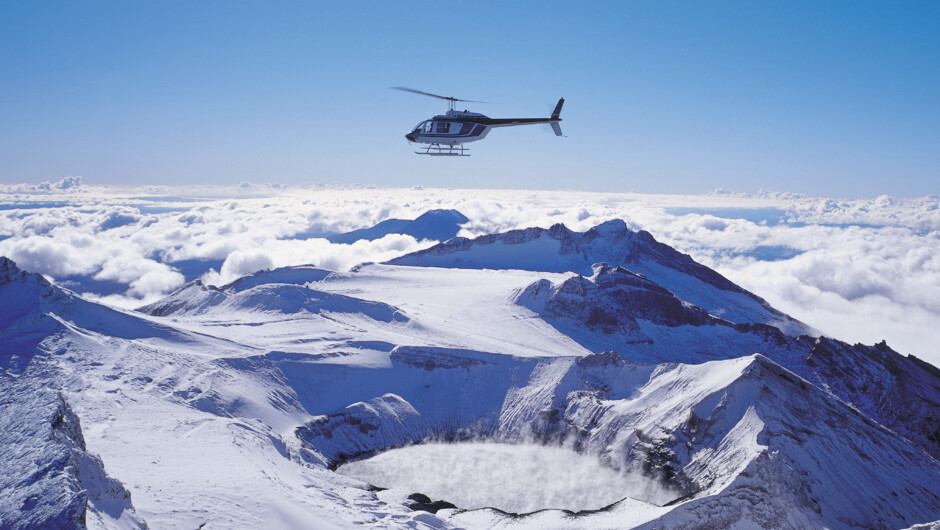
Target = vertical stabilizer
(557,112)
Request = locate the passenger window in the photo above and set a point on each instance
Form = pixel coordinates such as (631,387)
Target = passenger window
(442,127)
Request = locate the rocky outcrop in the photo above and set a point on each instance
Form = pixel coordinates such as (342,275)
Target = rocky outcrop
(49,478)
(379,423)
(614,298)
(901,393)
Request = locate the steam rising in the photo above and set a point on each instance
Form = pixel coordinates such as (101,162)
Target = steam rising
(517,478)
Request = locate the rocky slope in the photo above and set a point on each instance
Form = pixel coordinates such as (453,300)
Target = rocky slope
(616,308)
(50,479)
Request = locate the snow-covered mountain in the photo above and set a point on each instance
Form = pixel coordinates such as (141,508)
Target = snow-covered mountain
(253,294)
(558,249)
(624,311)
(436,225)
(229,406)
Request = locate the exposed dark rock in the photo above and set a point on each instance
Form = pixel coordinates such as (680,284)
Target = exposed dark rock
(424,503)
(614,298)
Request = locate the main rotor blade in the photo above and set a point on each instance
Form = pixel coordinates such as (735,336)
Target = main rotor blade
(406,89)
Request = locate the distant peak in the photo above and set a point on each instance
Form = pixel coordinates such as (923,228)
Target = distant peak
(614,226)
(9,272)
(8,265)
(559,230)
(452,215)
(196,283)
(437,225)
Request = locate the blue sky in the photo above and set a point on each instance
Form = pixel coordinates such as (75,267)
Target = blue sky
(824,98)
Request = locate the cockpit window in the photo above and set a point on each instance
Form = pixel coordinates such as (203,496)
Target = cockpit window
(427,126)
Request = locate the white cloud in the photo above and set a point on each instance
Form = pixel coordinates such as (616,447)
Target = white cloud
(47,255)
(318,252)
(242,262)
(128,267)
(65,184)
(155,283)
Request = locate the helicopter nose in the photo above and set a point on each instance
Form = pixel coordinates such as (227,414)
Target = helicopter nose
(410,137)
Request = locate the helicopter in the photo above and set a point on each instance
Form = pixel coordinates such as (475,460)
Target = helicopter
(446,133)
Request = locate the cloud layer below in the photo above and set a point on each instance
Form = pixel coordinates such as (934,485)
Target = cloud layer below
(860,270)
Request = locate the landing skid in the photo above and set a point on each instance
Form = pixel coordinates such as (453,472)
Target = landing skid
(444,150)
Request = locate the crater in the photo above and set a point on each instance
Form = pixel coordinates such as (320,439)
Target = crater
(516,478)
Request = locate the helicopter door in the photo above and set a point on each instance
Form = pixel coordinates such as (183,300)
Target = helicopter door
(442,127)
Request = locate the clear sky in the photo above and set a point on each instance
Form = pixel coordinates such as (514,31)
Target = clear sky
(835,98)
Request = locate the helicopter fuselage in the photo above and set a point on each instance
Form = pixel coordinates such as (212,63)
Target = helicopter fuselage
(456,127)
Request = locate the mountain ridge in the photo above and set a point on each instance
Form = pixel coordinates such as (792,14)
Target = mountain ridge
(616,308)
(559,249)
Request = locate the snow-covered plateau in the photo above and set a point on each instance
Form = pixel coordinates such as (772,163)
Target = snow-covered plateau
(231,406)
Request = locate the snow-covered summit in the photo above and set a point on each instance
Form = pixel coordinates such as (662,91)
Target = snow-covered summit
(297,275)
(281,291)
(612,299)
(436,225)
(199,299)
(559,249)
